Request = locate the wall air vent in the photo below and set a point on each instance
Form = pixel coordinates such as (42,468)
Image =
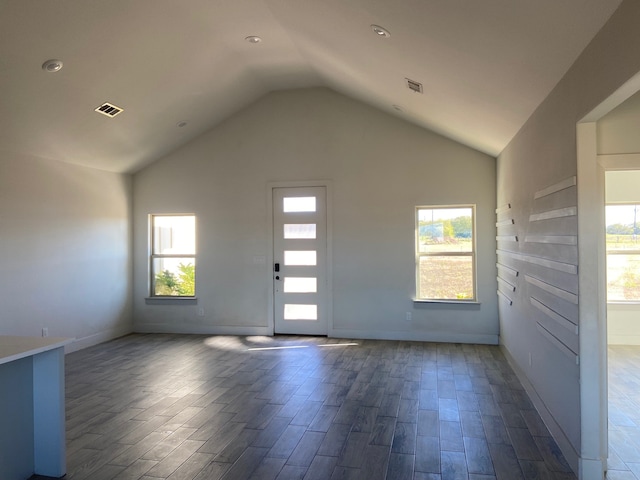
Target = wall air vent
(414,86)
(109,109)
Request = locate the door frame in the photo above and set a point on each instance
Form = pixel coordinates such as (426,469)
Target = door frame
(328,185)
(591,169)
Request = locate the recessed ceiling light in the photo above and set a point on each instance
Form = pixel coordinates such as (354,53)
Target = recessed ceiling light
(253,39)
(181,124)
(52,65)
(380,31)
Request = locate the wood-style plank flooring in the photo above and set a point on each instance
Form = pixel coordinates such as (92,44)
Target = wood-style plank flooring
(183,407)
(624,412)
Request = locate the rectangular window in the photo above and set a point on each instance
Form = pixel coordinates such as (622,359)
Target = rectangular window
(623,253)
(445,253)
(173,255)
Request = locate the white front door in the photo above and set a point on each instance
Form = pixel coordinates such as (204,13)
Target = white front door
(300,260)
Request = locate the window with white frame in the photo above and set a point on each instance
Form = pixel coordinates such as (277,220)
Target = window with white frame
(623,252)
(445,253)
(173,255)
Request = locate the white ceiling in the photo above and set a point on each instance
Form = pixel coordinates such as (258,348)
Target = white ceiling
(485,65)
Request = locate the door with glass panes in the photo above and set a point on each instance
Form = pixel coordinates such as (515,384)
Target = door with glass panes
(300,257)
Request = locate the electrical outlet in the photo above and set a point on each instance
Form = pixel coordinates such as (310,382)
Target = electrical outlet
(408,316)
(201,312)
(45,332)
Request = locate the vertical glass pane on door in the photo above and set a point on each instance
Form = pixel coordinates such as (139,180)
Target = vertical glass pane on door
(300,230)
(300,312)
(298,204)
(300,285)
(300,257)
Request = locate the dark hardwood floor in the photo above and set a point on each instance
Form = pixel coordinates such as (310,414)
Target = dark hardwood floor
(182,407)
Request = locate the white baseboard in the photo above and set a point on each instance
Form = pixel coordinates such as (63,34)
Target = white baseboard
(623,339)
(415,336)
(96,338)
(570,454)
(591,469)
(200,329)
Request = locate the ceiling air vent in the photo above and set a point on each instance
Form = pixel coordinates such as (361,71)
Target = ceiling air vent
(109,109)
(414,86)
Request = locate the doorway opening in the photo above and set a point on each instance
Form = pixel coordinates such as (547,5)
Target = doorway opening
(605,143)
(300,256)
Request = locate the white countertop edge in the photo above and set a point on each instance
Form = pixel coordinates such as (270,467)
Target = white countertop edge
(14,347)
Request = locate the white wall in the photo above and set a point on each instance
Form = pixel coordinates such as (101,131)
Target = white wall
(541,154)
(65,250)
(623,319)
(622,186)
(380,167)
(617,132)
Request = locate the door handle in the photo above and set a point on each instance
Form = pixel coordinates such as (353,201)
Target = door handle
(276,267)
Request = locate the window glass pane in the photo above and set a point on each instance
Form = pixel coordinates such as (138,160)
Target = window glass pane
(174,277)
(299,204)
(623,277)
(623,227)
(300,312)
(174,234)
(445,277)
(300,230)
(300,285)
(299,257)
(445,230)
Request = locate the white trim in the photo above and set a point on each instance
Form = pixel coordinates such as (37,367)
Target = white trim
(416,336)
(508,269)
(328,185)
(542,261)
(505,298)
(504,283)
(551,313)
(550,214)
(623,339)
(593,324)
(96,338)
(591,469)
(556,187)
(556,342)
(506,223)
(418,302)
(503,208)
(554,239)
(552,289)
(631,87)
(202,329)
(592,306)
(621,161)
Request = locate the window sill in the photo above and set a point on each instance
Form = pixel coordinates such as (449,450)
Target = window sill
(623,302)
(171,300)
(419,302)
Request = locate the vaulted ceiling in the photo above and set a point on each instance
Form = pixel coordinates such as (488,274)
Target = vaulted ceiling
(485,65)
